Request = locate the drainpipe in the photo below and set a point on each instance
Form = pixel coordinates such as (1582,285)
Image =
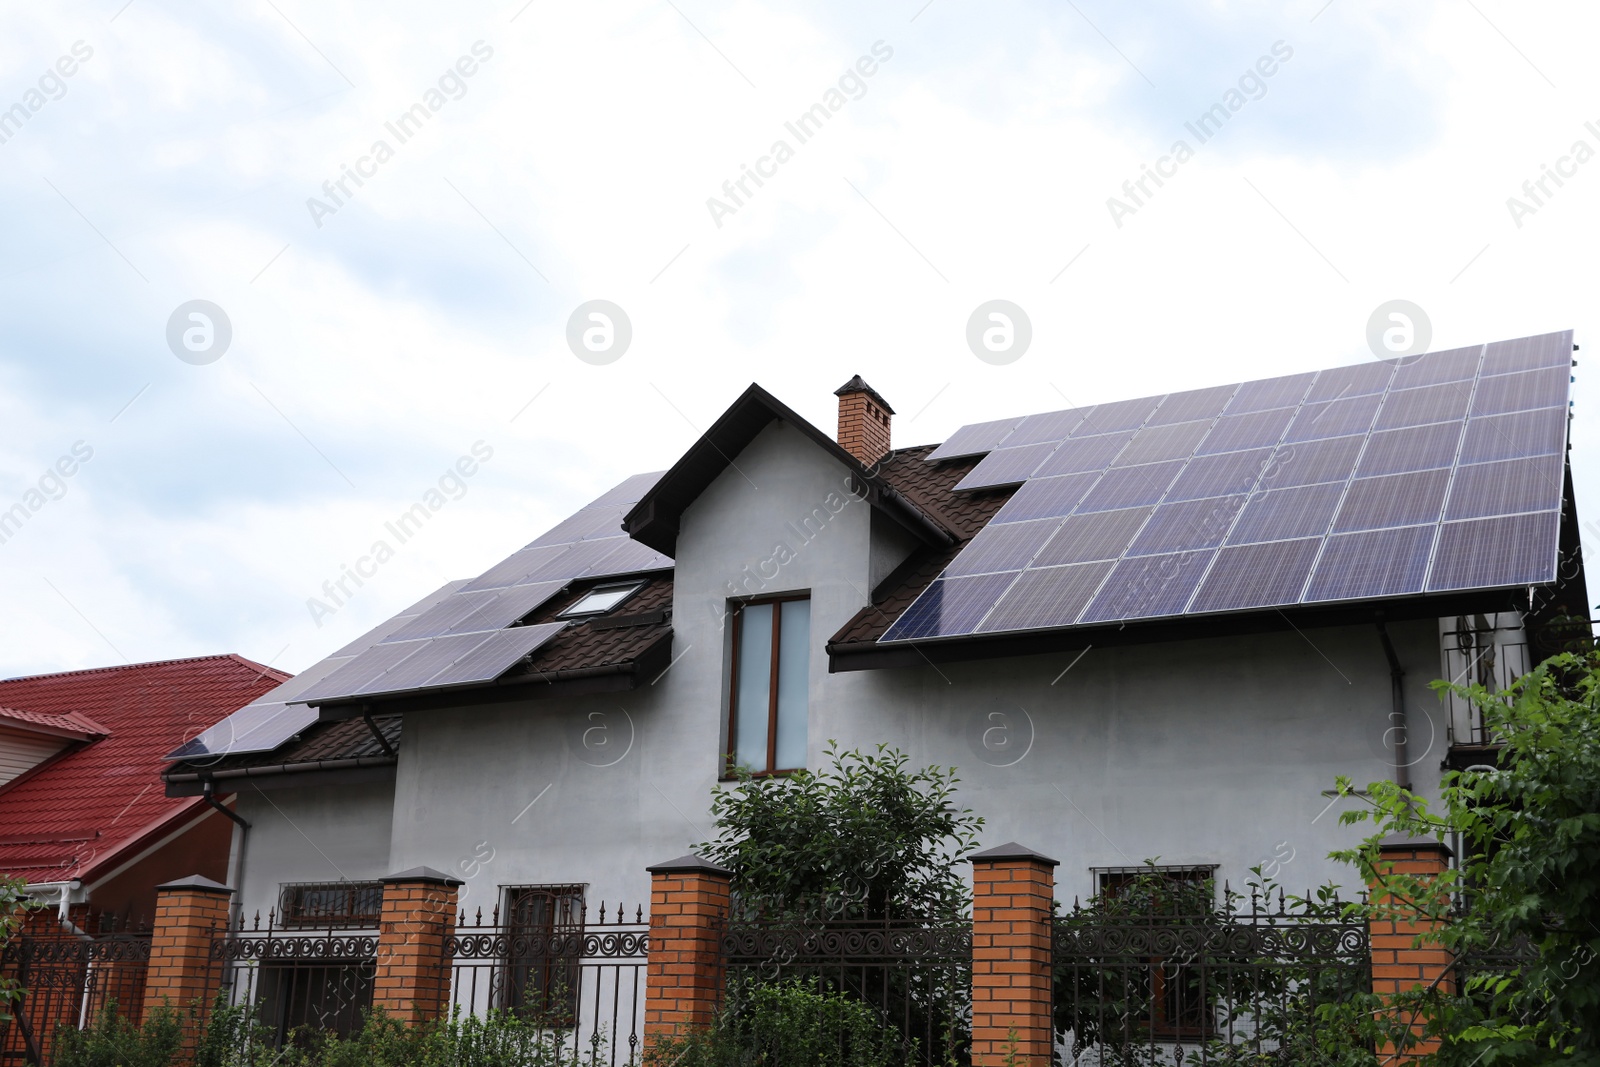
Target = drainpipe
(1397,716)
(235,847)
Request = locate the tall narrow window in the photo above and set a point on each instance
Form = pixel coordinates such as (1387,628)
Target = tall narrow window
(541,976)
(771,669)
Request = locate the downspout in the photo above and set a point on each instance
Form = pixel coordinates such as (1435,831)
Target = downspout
(1397,714)
(235,846)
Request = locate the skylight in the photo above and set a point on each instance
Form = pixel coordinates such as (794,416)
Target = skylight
(601,599)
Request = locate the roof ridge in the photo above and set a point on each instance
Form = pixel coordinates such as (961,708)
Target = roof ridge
(151,663)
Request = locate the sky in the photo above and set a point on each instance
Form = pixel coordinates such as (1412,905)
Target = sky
(187,497)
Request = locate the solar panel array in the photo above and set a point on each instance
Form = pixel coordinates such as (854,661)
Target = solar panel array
(462,634)
(1383,479)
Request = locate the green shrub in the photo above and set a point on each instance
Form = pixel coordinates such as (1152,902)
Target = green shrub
(787,1024)
(112,1040)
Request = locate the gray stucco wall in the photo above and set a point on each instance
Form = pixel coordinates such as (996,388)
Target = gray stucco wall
(1211,751)
(321,834)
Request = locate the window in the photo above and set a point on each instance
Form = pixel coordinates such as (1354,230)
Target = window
(330,905)
(541,965)
(771,676)
(601,599)
(1178,1000)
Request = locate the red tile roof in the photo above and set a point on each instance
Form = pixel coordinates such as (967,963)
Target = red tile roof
(82,812)
(71,724)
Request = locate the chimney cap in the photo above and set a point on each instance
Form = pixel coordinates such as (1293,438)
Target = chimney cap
(856,385)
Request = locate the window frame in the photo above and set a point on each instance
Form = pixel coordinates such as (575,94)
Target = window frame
(730,763)
(532,985)
(290,907)
(1174,1010)
(572,612)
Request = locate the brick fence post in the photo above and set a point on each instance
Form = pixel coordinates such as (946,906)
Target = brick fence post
(190,914)
(412,983)
(688,908)
(1012,893)
(1397,963)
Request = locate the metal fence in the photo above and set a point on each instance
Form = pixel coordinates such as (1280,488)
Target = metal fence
(1202,986)
(294,980)
(1477,652)
(916,977)
(70,980)
(581,982)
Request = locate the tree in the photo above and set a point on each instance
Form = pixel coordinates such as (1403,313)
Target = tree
(864,837)
(14,906)
(1523,905)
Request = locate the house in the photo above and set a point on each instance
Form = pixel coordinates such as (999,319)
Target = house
(1151,629)
(83,818)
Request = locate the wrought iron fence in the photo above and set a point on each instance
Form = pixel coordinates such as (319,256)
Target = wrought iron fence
(1202,986)
(915,976)
(582,982)
(295,981)
(70,979)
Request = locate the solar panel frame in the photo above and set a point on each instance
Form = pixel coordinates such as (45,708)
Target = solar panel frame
(1118,415)
(1127,487)
(629,491)
(1042,498)
(1087,538)
(1357,379)
(586,524)
(1286,514)
(1006,466)
(497,655)
(626,557)
(1220,474)
(949,607)
(975,439)
(1459,562)
(1236,433)
(1506,487)
(1257,575)
(1527,353)
(443,616)
(1267,393)
(1155,443)
(1454,365)
(1414,448)
(1371,563)
(1050,427)
(1192,405)
(1003,548)
(1521,392)
(1312,462)
(1188,525)
(515,568)
(1041,595)
(1334,418)
(1392,500)
(362,669)
(1142,587)
(1429,404)
(1078,455)
(1536,432)
(415,670)
(506,607)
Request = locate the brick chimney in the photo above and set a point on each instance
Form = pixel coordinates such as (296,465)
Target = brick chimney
(863,421)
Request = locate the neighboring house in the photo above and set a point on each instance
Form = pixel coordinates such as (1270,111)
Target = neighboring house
(1151,628)
(83,817)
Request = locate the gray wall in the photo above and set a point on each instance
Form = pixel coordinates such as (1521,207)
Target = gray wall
(1204,751)
(321,834)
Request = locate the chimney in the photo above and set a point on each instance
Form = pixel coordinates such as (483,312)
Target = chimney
(863,421)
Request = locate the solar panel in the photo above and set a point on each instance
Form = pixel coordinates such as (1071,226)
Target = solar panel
(1045,595)
(1505,488)
(1520,392)
(1257,576)
(628,491)
(1526,353)
(1417,448)
(514,568)
(1146,586)
(1334,418)
(589,522)
(1356,380)
(388,627)
(1302,511)
(364,668)
(1084,538)
(626,556)
(949,606)
(1373,563)
(1484,553)
(1153,443)
(257,727)
(1219,475)
(1267,393)
(1127,487)
(415,670)
(1431,403)
(1003,548)
(497,655)
(1525,433)
(441,617)
(1195,404)
(1456,365)
(1363,477)
(1085,454)
(1048,428)
(1041,498)
(1191,524)
(1006,466)
(1235,432)
(505,607)
(974,440)
(1122,415)
(1392,500)
(581,558)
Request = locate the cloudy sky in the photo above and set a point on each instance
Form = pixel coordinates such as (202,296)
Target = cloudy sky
(384,330)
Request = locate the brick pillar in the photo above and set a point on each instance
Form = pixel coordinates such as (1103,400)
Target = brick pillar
(1398,963)
(688,907)
(1012,892)
(190,914)
(412,983)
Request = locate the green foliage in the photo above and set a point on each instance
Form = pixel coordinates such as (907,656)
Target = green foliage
(787,1024)
(864,837)
(114,1041)
(1523,908)
(14,907)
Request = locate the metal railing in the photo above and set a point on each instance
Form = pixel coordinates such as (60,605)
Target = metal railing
(296,980)
(70,980)
(915,976)
(1481,654)
(584,985)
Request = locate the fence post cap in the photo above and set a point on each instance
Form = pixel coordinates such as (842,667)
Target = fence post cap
(199,882)
(687,864)
(1011,850)
(1398,843)
(421,874)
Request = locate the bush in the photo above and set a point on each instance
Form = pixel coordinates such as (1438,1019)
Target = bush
(787,1024)
(114,1041)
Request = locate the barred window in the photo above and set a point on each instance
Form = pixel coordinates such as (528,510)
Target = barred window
(1179,1007)
(330,905)
(541,966)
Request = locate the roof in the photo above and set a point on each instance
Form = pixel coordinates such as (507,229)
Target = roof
(654,519)
(70,725)
(857,385)
(91,806)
